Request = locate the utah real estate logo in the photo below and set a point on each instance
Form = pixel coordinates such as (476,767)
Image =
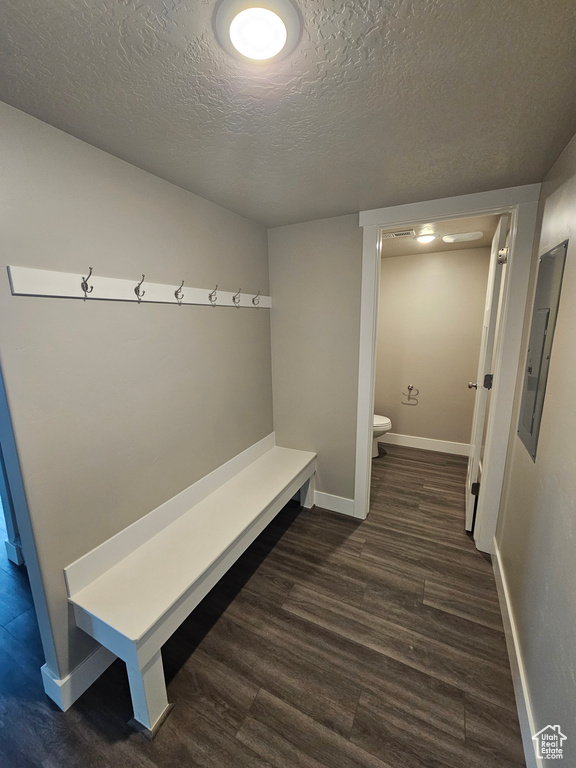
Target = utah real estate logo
(549,743)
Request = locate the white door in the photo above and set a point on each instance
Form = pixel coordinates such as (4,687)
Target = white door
(484,368)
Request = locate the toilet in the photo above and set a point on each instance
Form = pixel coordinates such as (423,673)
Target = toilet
(380,427)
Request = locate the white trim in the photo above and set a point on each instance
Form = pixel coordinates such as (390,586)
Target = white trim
(25,281)
(451,207)
(522,202)
(93,564)
(519,679)
(508,349)
(307,494)
(367,369)
(492,303)
(334,503)
(14,552)
(426,444)
(65,691)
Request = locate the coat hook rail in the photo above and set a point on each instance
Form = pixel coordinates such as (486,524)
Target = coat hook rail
(42,282)
(84,284)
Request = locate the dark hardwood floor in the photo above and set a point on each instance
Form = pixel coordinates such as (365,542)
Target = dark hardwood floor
(331,643)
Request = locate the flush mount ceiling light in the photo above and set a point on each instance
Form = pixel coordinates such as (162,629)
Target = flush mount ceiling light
(258,33)
(461,237)
(260,30)
(426,238)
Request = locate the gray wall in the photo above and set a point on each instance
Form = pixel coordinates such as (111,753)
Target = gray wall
(315,275)
(537,528)
(116,407)
(429,329)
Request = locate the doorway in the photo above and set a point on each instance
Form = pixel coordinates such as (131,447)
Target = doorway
(431,307)
(521,204)
(8,523)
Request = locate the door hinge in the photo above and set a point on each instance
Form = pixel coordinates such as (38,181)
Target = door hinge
(488,379)
(475,489)
(503,255)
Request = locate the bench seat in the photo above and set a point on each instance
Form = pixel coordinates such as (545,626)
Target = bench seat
(134,605)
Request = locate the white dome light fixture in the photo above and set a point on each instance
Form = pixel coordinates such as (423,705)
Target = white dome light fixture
(258,31)
(426,238)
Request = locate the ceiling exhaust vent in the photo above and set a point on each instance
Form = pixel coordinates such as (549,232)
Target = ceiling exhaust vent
(400,233)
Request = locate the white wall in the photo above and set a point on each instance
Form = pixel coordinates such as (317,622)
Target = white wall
(537,527)
(429,329)
(315,275)
(117,407)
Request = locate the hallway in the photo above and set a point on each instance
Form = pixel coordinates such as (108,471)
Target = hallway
(331,642)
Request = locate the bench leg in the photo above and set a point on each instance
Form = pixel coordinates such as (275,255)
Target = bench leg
(307,493)
(149,700)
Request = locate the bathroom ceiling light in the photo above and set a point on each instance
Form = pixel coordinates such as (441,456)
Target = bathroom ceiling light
(462,237)
(259,30)
(258,33)
(426,238)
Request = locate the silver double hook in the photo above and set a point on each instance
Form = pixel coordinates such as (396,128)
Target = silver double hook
(236,298)
(178,295)
(84,284)
(256,300)
(138,292)
(212,297)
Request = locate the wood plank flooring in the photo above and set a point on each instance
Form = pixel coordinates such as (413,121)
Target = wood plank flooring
(332,643)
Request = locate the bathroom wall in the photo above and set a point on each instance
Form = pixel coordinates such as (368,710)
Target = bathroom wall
(537,526)
(116,407)
(315,276)
(429,329)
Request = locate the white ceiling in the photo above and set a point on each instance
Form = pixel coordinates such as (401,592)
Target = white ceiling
(381,103)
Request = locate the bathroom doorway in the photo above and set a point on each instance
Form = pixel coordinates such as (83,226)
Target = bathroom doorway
(439,303)
(521,204)
(431,305)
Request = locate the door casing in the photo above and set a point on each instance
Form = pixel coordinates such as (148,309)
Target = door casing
(522,205)
(487,344)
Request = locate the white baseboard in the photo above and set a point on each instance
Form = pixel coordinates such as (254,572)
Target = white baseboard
(65,691)
(334,503)
(523,705)
(426,444)
(14,552)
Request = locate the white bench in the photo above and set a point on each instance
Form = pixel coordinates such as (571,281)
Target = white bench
(135,589)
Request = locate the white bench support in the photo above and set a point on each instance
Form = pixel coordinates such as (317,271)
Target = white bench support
(307,493)
(134,590)
(149,700)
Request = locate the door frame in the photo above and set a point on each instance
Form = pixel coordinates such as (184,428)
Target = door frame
(522,205)
(12,543)
(492,306)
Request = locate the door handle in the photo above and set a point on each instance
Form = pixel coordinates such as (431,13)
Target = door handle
(472,386)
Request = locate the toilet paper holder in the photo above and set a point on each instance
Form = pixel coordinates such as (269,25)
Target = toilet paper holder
(411,395)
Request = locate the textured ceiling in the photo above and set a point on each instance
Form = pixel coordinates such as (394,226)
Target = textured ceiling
(380,104)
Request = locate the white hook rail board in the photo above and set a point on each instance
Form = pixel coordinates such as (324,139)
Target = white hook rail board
(25,281)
